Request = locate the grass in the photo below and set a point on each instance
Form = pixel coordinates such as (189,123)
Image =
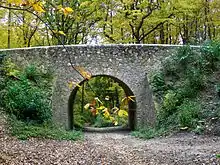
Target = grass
(24,131)
(149,133)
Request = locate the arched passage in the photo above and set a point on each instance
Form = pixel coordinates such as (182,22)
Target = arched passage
(128,92)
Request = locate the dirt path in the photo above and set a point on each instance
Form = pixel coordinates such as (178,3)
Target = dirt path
(179,149)
(111,149)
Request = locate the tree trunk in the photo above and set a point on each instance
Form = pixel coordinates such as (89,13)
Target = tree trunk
(162,38)
(9,27)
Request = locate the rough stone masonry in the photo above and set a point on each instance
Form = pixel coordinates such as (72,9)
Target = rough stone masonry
(129,65)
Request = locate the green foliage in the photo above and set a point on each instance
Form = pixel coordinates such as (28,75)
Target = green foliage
(187,71)
(157,82)
(104,105)
(80,118)
(182,77)
(149,133)
(215,113)
(188,63)
(211,55)
(169,122)
(2,56)
(26,102)
(186,115)
(25,131)
(101,121)
(111,21)
(9,68)
(183,58)
(217,89)
(177,64)
(189,114)
(170,102)
(26,93)
(195,79)
(199,129)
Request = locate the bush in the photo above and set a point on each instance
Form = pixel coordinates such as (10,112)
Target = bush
(26,102)
(26,93)
(168,122)
(170,103)
(196,79)
(157,82)
(184,57)
(211,55)
(185,115)
(189,113)
(182,77)
(178,63)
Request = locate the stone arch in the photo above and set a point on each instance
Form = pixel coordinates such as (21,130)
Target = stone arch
(131,106)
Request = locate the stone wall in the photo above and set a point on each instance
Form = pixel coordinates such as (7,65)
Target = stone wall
(127,64)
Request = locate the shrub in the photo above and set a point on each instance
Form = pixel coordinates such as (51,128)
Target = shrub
(211,55)
(25,94)
(178,63)
(157,82)
(167,121)
(195,79)
(26,102)
(31,73)
(184,57)
(189,113)
(170,102)
(186,91)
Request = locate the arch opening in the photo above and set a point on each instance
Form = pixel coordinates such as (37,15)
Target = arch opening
(110,102)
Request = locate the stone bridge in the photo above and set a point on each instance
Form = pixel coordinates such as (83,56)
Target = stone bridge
(129,65)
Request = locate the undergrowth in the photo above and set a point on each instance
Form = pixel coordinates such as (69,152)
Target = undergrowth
(25,92)
(178,88)
(25,96)
(23,131)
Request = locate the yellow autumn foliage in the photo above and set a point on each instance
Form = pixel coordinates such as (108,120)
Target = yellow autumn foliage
(38,7)
(72,83)
(101,108)
(65,10)
(87,75)
(62,33)
(122,113)
(106,113)
(16,2)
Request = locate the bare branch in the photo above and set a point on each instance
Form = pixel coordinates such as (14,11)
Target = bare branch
(154,28)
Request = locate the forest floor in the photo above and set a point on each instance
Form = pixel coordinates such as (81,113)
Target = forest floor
(118,148)
(111,148)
